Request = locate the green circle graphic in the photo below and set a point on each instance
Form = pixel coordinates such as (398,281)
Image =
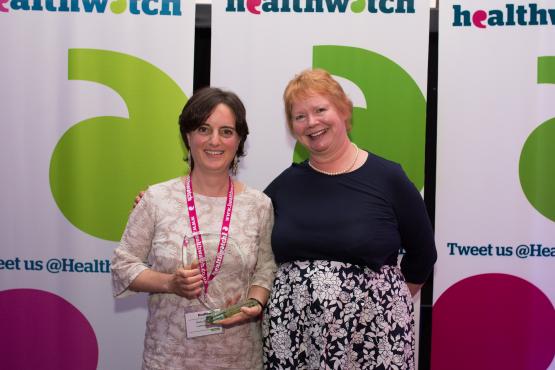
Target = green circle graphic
(393,124)
(100,164)
(537,169)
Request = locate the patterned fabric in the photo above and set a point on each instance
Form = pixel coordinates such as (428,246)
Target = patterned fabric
(334,315)
(153,239)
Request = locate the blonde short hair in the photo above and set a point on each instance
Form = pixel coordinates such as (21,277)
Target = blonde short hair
(316,82)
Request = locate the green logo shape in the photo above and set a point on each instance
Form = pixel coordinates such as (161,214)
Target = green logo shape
(537,158)
(546,70)
(358,6)
(118,6)
(393,124)
(101,163)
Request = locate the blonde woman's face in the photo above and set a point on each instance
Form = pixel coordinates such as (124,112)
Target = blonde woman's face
(318,124)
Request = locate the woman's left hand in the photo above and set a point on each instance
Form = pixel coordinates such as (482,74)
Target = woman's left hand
(138,198)
(414,288)
(246,314)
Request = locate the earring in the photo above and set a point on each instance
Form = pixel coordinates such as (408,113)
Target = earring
(189,161)
(234,166)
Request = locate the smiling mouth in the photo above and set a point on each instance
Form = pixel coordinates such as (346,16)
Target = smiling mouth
(214,152)
(317,133)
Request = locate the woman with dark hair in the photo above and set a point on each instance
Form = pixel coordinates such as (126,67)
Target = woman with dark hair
(177,237)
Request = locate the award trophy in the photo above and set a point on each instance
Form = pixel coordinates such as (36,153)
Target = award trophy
(230,284)
(220,314)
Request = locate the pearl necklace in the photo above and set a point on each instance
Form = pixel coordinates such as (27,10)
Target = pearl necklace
(335,173)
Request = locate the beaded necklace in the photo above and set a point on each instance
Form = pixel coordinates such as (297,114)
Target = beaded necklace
(335,173)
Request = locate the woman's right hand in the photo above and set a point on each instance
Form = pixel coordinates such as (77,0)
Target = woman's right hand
(138,198)
(187,281)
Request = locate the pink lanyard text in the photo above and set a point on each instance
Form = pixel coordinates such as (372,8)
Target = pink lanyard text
(193,219)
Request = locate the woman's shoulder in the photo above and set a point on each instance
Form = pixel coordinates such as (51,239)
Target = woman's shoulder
(382,167)
(254,195)
(166,188)
(293,174)
(388,174)
(160,197)
(380,162)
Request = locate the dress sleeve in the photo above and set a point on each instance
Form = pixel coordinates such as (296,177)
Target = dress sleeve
(415,228)
(130,257)
(265,269)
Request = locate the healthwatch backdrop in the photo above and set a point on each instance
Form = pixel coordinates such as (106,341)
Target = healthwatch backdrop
(495,217)
(378,50)
(90,91)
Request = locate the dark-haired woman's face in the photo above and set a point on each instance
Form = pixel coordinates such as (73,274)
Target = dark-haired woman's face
(214,144)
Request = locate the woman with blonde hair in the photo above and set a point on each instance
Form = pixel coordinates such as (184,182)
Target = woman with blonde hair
(339,301)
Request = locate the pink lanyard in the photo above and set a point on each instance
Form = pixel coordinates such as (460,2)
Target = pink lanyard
(193,219)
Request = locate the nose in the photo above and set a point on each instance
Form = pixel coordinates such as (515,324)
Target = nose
(214,138)
(311,119)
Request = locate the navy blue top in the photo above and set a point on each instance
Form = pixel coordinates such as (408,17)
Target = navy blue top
(362,217)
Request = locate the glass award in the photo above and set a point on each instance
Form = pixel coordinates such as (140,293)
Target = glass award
(220,314)
(232,282)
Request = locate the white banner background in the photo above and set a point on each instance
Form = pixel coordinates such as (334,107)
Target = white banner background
(256,55)
(39,104)
(489,103)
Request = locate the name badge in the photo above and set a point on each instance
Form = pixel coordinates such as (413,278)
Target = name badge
(197,326)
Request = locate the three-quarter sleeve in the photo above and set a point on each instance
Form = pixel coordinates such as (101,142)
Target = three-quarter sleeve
(265,269)
(130,257)
(415,228)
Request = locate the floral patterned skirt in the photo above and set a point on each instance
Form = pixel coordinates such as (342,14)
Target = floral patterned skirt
(334,315)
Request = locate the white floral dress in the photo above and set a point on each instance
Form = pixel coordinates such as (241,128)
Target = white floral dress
(154,238)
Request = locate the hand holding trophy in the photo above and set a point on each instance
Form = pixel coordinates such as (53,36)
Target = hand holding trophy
(236,313)
(226,298)
(187,281)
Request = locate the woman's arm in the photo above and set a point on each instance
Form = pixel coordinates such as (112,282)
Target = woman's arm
(130,271)
(264,272)
(414,288)
(185,282)
(261,295)
(415,228)
(131,256)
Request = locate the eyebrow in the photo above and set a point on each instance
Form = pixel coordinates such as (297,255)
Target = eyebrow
(225,126)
